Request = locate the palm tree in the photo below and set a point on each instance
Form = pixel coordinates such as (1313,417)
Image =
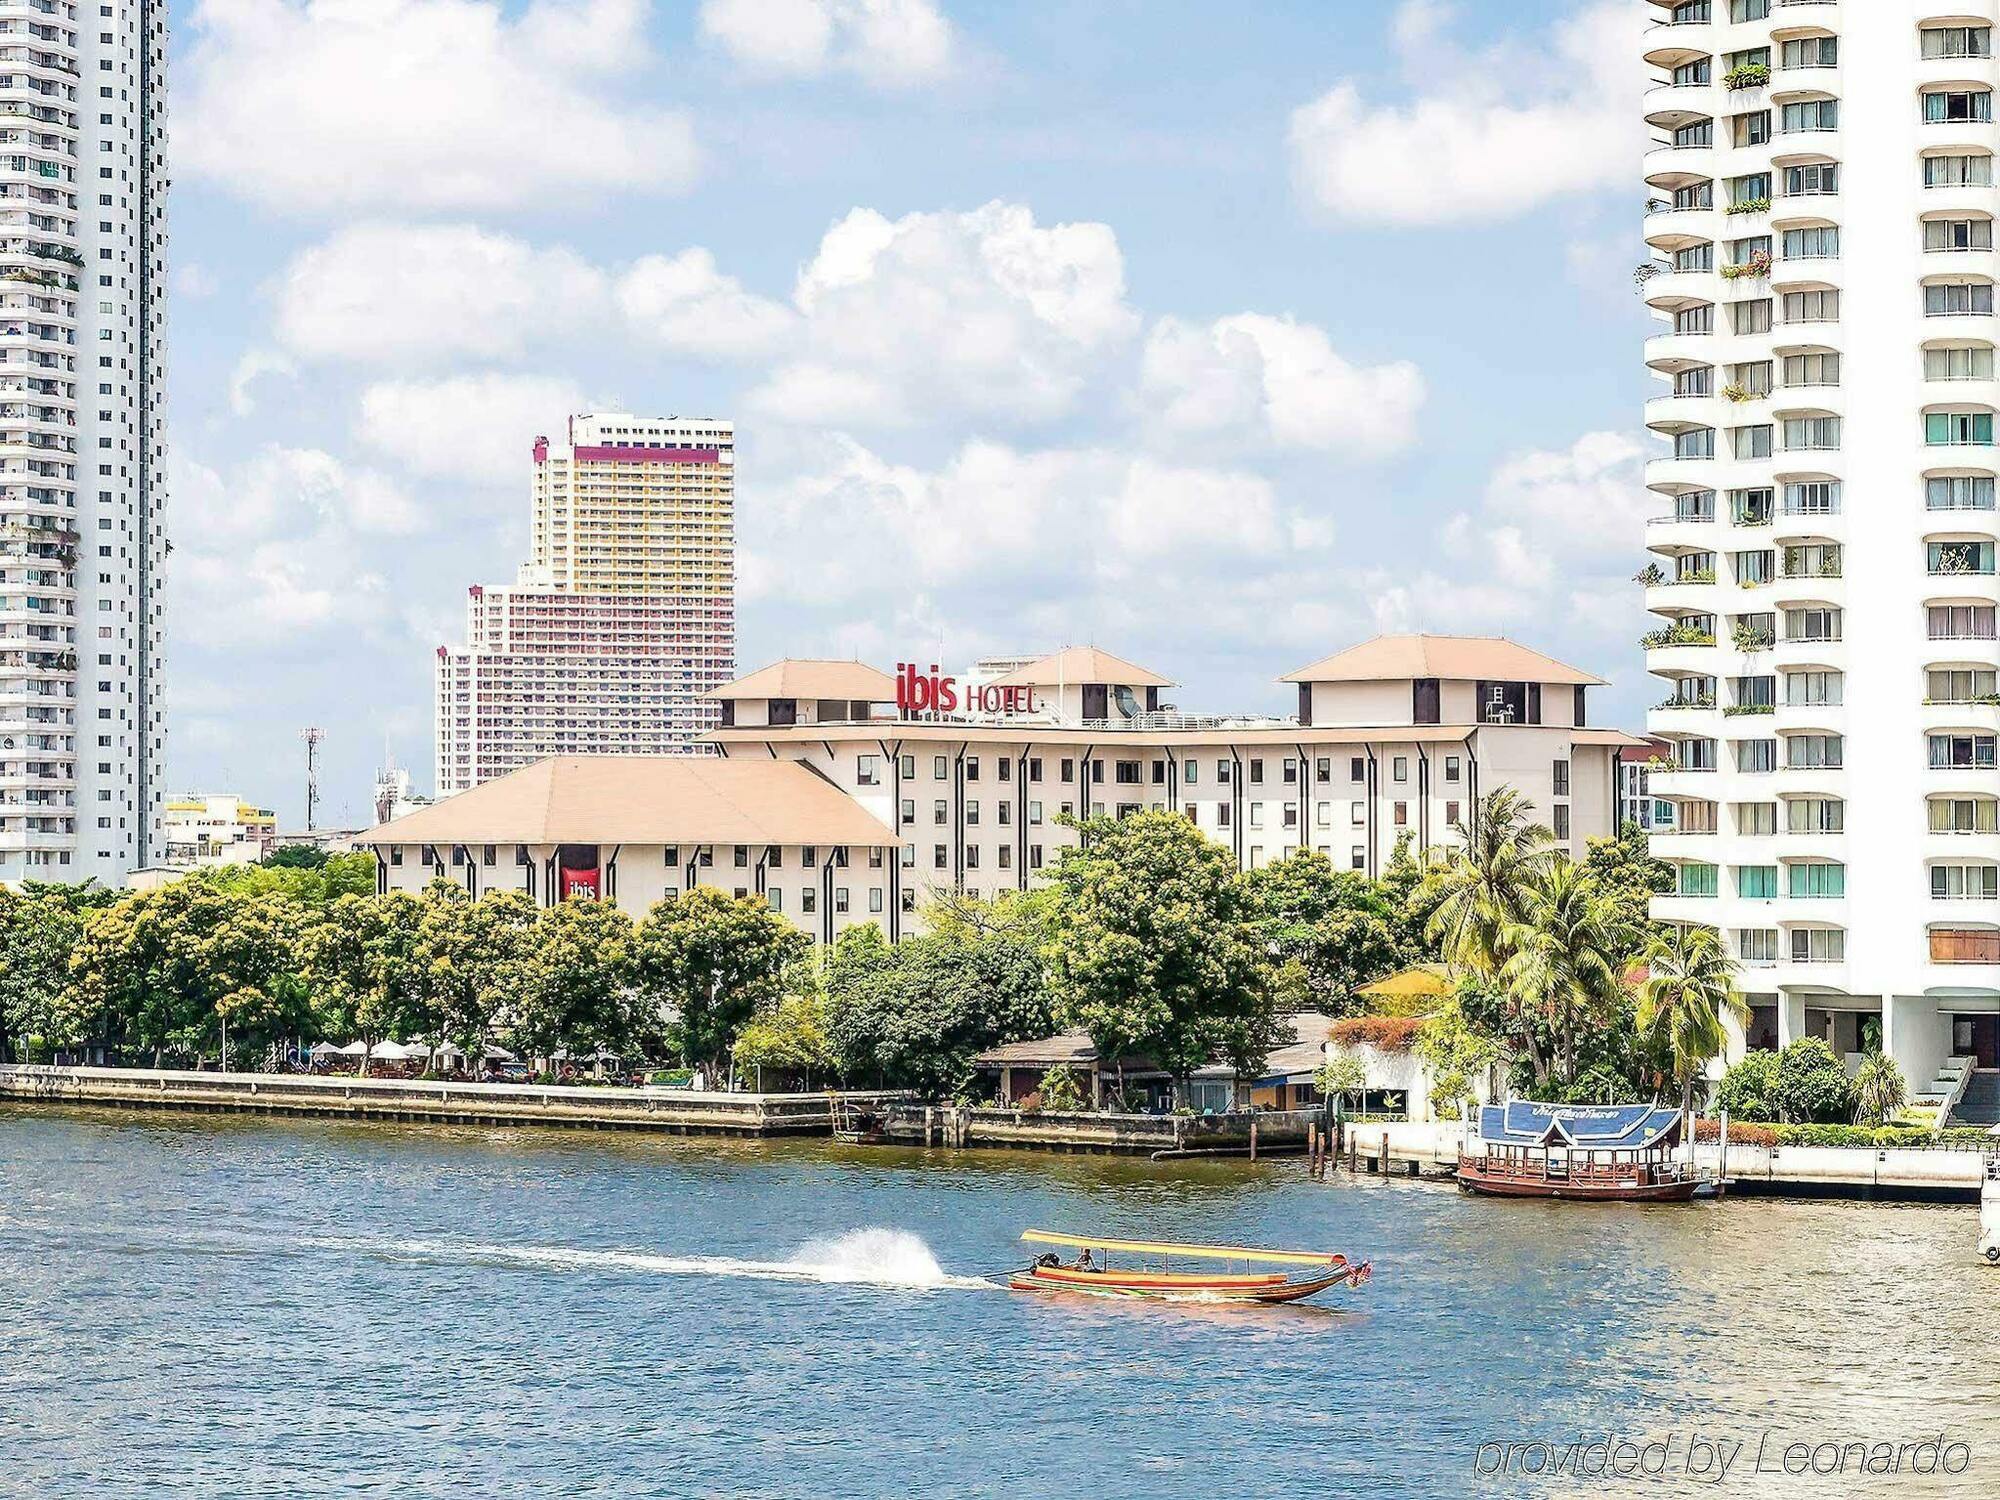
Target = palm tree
(1564,957)
(1483,888)
(1879,1090)
(1689,992)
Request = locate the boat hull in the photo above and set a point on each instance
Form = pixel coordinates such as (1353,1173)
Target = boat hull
(1678,1190)
(1165,1287)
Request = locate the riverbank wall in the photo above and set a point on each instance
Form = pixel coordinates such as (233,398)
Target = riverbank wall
(409,1101)
(1909,1174)
(1161,1137)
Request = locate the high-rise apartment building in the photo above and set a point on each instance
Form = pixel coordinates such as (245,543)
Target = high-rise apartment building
(624,618)
(83,235)
(1823,266)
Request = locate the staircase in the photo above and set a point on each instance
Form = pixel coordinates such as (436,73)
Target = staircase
(1980,1104)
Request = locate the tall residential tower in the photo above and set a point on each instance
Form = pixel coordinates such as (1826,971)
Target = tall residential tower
(1823,267)
(83,235)
(623,619)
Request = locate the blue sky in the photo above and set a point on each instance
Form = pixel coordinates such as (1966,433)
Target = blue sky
(1222,337)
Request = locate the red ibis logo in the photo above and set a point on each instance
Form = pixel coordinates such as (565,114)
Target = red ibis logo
(931,692)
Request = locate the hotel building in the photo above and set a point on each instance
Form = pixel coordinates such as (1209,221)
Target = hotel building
(622,621)
(1395,738)
(207,830)
(1823,269)
(82,437)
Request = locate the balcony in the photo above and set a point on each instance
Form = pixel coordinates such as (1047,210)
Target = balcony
(1964,945)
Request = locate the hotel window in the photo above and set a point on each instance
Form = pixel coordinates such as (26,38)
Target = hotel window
(1357,813)
(1812,434)
(1821,242)
(1222,773)
(938,811)
(840,898)
(1751,129)
(1034,856)
(428,855)
(741,893)
(907,764)
(1189,770)
(1006,768)
(808,900)
(808,856)
(909,856)
(1559,778)
(1753,316)
(1451,768)
(1953,558)
(1450,813)
(1957,41)
(1811,369)
(1814,180)
(1953,106)
(1757,882)
(940,856)
(1958,234)
(1965,882)
(1812,307)
(1958,752)
(1753,757)
(1810,114)
(395,854)
(1068,769)
(457,853)
(1813,689)
(1402,814)
(1357,857)
(521,854)
(776,858)
(972,768)
(868,770)
(706,859)
(1399,768)
(1957,299)
(1323,815)
(1128,773)
(971,856)
(1813,752)
(1964,815)
(1757,945)
(742,858)
(1291,815)
(940,767)
(909,902)
(1256,771)
(1159,773)
(1815,815)
(1815,879)
(1034,812)
(1960,622)
(1097,771)
(1066,809)
(1256,815)
(972,814)
(673,858)
(1815,624)
(1561,814)
(1696,880)
(1004,811)
(1034,768)
(1323,770)
(775,899)
(1818,945)
(909,809)
(1954,429)
(1221,814)
(1291,772)
(1357,768)
(875,898)
(1006,856)
(1960,685)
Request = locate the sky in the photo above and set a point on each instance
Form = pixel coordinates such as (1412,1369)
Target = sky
(1219,337)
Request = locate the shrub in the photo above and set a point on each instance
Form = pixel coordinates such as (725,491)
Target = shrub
(1749,1091)
(1813,1087)
(1868,1136)
(1385,1033)
(1879,1090)
(1060,1089)
(1741,1133)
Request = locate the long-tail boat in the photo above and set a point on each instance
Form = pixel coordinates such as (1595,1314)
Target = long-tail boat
(1614,1153)
(1146,1270)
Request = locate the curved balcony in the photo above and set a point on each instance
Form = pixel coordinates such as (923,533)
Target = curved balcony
(1676,600)
(1668,414)
(1670,291)
(1673,536)
(1669,44)
(1668,106)
(1671,167)
(1671,229)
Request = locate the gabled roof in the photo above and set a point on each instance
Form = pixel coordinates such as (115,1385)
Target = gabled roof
(1455,658)
(1586,1127)
(1076,664)
(644,799)
(852,681)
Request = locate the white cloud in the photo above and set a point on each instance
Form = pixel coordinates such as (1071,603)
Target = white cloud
(324,108)
(983,311)
(466,427)
(887,42)
(1589,499)
(1276,380)
(683,302)
(433,294)
(1485,136)
(251,366)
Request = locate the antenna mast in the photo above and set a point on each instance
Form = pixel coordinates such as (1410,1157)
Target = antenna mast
(312,736)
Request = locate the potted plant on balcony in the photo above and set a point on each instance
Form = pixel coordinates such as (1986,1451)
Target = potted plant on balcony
(1747,76)
(1748,206)
(1735,392)
(1748,637)
(1649,575)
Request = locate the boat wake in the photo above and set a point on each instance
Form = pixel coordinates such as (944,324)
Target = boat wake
(863,1257)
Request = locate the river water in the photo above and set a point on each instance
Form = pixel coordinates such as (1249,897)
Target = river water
(199,1306)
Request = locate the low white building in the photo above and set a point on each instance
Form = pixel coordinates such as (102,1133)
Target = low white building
(205,830)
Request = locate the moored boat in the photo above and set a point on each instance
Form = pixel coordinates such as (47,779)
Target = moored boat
(1145,1269)
(1613,1153)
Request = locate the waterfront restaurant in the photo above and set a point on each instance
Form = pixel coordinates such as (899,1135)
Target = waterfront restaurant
(844,793)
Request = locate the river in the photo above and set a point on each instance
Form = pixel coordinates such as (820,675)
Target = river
(205,1306)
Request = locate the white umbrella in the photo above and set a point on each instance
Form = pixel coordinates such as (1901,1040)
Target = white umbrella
(323,1049)
(395,1052)
(448,1049)
(497,1053)
(352,1049)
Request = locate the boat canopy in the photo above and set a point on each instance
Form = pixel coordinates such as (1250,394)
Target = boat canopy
(1581,1127)
(1201,1252)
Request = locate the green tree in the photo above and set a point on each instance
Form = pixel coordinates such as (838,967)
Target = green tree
(295,857)
(1625,871)
(1456,1055)
(1410,900)
(574,984)
(1156,948)
(249,960)
(40,926)
(791,1038)
(1564,959)
(1749,1090)
(1879,1090)
(1335,925)
(466,961)
(1480,891)
(1689,996)
(316,885)
(711,961)
(142,971)
(359,958)
(1813,1086)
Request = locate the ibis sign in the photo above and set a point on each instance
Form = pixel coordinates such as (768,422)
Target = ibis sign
(929,692)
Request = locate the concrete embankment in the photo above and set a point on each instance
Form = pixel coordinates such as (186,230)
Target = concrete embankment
(1914,1175)
(1162,1137)
(675,1111)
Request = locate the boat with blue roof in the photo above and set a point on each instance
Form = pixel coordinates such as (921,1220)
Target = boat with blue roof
(1610,1153)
